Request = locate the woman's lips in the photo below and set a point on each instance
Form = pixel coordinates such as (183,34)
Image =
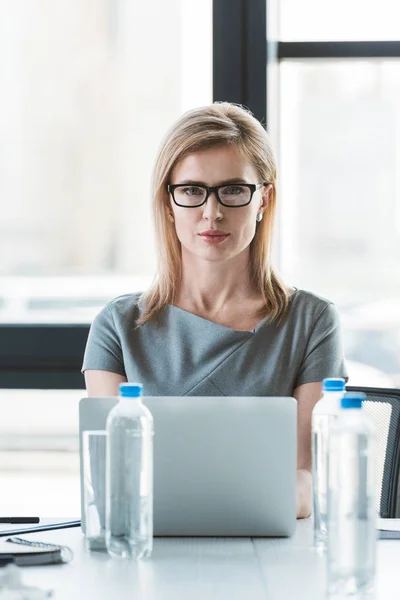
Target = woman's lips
(213,236)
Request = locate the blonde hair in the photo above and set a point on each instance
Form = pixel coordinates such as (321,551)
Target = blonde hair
(199,129)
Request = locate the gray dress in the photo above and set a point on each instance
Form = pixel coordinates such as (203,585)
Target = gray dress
(181,354)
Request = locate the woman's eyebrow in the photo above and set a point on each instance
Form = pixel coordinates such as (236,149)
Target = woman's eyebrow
(190,182)
(224,182)
(234,180)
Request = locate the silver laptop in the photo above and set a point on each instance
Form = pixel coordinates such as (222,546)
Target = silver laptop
(223,466)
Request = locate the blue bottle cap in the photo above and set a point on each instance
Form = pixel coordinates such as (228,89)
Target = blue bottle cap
(333,384)
(353,400)
(130,390)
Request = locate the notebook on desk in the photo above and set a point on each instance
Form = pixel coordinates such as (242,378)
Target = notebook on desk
(30,553)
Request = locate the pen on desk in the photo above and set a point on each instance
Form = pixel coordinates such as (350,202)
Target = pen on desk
(19,520)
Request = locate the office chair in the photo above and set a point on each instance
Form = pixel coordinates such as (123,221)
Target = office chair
(383,407)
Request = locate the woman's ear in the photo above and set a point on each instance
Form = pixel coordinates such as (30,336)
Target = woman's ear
(265,196)
(169,214)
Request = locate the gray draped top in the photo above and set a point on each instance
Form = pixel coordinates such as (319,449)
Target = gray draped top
(182,354)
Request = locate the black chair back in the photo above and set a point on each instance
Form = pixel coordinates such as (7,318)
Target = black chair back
(383,407)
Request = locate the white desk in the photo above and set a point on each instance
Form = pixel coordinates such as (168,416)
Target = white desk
(204,569)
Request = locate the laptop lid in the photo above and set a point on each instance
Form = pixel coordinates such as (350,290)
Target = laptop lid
(223,466)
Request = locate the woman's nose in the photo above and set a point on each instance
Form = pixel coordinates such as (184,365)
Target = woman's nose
(212,208)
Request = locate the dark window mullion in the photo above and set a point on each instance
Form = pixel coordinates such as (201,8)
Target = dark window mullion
(378,49)
(239,54)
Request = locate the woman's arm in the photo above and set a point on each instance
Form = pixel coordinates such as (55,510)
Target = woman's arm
(307,395)
(103,383)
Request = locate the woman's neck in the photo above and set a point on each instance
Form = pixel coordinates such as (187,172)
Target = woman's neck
(209,287)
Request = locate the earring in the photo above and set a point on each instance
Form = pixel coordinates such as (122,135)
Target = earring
(259,217)
(171,218)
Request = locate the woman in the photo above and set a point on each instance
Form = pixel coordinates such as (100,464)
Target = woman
(218,320)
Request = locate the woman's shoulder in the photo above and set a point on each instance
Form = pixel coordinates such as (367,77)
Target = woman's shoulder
(125,307)
(305,297)
(125,301)
(309,305)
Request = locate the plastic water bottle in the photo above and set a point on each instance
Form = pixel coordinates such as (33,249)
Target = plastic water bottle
(324,414)
(351,503)
(129,476)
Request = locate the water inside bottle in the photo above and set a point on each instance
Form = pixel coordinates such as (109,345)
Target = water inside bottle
(352,517)
(351,558)
(135,541)
(130,499)
(321,428)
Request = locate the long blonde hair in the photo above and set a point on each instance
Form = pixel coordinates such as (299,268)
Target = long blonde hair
(219,124)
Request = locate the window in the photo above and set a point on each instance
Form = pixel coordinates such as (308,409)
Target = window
(334,97)
(88,91)
(338,20)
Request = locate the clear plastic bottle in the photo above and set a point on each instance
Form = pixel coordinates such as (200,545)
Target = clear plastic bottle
(351,503)
(324,414)
(129,476)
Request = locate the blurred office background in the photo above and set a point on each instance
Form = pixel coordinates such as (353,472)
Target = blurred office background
(88,89)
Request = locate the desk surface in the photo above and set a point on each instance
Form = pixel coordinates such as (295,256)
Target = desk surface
(204,568)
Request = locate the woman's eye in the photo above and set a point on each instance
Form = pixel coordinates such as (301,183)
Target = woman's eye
(233,190)
(192,191)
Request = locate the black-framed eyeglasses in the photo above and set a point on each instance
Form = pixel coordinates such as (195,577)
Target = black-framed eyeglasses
(232,195)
